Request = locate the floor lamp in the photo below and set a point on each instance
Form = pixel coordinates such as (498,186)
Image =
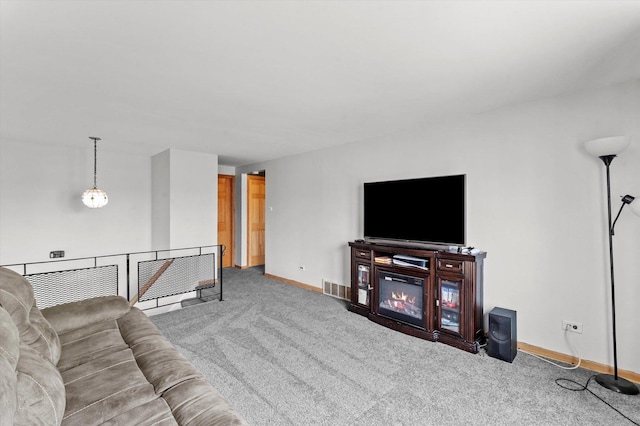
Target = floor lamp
(607,149)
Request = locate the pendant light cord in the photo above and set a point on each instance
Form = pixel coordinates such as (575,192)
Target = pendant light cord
(95,160)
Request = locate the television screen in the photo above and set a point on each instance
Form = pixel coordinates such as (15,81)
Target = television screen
(430,210)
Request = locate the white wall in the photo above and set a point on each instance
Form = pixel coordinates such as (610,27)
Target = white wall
(242,218)
(185,188)
(41,210)
(226,170)
(536,204)
(161,201)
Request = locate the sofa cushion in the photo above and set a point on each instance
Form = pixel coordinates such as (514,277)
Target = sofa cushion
(16,296)
(136,327)
(102,388)
(84,344)
(195,402)
(39,390)
(162,364)
(158,359)
(9,354)
(154,413)
(70,316)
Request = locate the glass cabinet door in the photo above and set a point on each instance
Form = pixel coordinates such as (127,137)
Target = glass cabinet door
(364,277)
(450,305)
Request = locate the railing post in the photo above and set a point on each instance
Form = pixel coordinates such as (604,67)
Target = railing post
(128,280)
(222,247)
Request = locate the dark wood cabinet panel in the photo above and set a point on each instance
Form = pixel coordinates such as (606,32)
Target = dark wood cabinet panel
(384,280)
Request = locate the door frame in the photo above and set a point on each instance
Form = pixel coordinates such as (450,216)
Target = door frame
(248,222)
(230,251)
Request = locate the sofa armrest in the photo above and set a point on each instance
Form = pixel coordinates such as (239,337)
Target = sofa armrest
(73,315)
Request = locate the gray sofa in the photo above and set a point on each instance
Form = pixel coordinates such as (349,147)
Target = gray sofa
(92,362)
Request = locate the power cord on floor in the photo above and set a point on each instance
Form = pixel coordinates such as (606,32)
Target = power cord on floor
(573,350)
(580,388)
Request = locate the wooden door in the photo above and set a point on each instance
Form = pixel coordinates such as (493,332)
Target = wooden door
(256,219)
(226,214)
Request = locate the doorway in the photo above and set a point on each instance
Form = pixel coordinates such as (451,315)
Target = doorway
(226,215)
(256,185)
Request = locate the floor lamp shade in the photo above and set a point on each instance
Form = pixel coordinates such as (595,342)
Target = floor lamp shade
(612,145)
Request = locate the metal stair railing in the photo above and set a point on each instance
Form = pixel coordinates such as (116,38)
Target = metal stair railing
(149,279)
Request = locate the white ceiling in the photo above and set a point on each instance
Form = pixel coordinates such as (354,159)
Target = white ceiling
(258,80)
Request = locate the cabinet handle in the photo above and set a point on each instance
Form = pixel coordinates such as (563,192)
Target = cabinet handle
(448,265)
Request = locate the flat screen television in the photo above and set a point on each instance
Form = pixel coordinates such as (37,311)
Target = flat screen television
(426,210)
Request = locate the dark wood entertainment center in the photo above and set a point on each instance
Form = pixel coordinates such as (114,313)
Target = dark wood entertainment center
(422,291)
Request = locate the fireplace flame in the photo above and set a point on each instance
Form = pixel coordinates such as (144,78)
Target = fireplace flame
(403,297)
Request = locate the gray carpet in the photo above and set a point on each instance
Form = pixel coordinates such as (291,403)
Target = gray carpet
(282,355)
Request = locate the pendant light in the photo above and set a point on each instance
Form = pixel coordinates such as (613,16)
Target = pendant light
(95,198)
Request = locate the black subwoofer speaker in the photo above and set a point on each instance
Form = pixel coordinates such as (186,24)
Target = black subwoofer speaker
(503,336)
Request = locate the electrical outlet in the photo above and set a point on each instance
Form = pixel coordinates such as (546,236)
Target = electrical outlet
(575,327)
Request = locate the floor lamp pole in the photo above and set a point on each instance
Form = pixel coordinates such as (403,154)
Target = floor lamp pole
(608,381)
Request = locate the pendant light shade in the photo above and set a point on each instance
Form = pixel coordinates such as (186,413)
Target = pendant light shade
(95,198)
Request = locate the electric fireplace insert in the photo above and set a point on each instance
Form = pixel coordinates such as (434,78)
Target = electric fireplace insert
(401,298)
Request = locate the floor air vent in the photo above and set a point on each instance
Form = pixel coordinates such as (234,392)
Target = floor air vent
(336,290)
